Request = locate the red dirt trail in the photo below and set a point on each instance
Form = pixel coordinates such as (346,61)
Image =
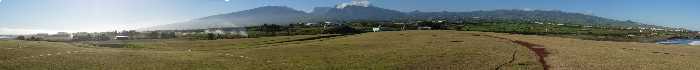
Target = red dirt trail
(539,50)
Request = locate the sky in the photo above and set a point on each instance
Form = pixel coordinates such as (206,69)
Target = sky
(50,16)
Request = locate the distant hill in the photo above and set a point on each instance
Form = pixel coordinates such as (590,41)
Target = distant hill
(349,13)
(526,15)
(321,10)
(262,15)
(286,15)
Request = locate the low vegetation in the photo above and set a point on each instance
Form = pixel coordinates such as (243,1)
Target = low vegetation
(382,51)
(442,50)
(568,30)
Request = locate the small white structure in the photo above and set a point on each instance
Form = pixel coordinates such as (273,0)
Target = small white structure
(214,31)
(440,21)
(539,23)
(677,30)
(309,24)
(376,29)
(425,28)
(694,43)
(229,30)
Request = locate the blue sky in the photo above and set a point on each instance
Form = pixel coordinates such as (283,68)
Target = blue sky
(49,16)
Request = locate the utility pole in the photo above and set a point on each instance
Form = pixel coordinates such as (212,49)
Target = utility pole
(19,44)
(403,27)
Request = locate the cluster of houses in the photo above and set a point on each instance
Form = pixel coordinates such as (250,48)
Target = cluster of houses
(641,29)
(132,34)
(230,30)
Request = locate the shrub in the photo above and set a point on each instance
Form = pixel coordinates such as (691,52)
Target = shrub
(133,46)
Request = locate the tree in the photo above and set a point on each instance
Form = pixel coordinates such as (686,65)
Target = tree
(434,25)
(154,35)
(344,29)
(271,29)
(168,35)
(103,37)
(20,38)
(34,39)
(211,36)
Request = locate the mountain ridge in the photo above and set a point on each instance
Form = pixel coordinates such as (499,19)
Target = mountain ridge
(251,17)
(286,15)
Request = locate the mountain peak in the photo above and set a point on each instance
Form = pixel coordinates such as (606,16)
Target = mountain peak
(362,10)
(267,10)
(273,7)
(321,10)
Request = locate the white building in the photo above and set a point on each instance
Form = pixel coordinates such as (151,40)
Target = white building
(376,29)
(231,30)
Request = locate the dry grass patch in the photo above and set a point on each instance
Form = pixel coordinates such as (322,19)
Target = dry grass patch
(570,54)
(12,49)
(395,50)
(418,50)
(210,45)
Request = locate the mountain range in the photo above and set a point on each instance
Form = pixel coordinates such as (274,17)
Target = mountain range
(286,15)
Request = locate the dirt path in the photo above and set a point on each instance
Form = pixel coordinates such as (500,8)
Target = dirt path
(291,42)
(513,58)
(539,50)
(303,39)
(306,39)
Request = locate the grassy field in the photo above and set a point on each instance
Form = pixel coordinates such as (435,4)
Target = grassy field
(380,51)
(568,54)
(401,50)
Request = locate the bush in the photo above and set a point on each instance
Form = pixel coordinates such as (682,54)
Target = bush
(133,46)
(343,30)
(20,38)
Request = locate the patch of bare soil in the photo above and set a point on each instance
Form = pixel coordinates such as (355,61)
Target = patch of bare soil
(539,50)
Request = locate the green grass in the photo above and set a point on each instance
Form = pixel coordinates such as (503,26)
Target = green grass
(579,32)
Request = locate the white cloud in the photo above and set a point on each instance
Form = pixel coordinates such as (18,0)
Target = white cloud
(364,3)
(527,9)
